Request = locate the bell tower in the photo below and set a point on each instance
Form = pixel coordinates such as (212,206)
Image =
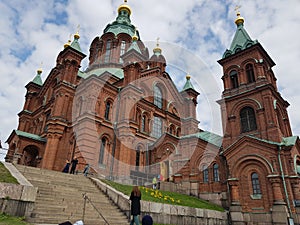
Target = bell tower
(251,103)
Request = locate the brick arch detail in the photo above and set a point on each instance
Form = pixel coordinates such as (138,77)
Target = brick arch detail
(238,165)
(243,170)
(232,67)
(252,61)
(245,102)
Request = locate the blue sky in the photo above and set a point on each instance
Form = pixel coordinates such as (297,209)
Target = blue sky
(35,31)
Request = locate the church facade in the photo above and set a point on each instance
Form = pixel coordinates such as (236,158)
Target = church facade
(125,117)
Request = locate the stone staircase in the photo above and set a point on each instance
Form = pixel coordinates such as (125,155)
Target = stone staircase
(60,198)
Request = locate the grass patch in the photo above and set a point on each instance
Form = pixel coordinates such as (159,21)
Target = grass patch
(10,220)
(5,176)
(166,197)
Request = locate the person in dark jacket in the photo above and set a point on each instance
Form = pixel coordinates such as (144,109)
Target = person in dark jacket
(74,163)
(135,198)
(67,167)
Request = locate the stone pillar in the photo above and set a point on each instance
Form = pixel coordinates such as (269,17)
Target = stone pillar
(279,209)
(50,151)
(277,193)
(235,209)
(234,191)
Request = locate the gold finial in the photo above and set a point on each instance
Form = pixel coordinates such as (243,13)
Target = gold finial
(135,37)
(124,6)
(157,49)
(188,76)
(40,70)
(77,36)
(69,42)
(239,20)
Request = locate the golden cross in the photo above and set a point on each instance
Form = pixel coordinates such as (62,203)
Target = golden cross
(237,8)
(78,28)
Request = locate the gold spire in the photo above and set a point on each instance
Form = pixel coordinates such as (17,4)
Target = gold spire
(77,36)
(135,37)
(124,6)
(157,49)
(239,19)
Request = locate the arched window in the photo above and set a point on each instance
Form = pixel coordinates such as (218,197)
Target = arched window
(157,127)
(248,121)
(107,110)
(255,184)
(234,79)
(171,130)
(137,158)
(250,73)
(107,51)
(102,151)
(216,172)
(122,47)
(143,123)
(205,174)
(157,97)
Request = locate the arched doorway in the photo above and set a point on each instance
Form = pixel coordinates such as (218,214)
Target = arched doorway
(30,156)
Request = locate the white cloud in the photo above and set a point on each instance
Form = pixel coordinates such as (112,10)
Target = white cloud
(203,26)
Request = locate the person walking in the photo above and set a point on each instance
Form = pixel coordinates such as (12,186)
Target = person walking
(74,163)
(135,198)
(67,167)
(86,169)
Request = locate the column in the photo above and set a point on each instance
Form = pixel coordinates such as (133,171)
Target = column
(50,151)
(277,192)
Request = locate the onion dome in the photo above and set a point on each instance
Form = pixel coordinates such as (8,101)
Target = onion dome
(157,56)
(67,44)
(125,7)
(239,20)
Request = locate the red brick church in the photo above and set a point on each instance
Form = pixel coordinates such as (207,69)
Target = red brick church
(125,117)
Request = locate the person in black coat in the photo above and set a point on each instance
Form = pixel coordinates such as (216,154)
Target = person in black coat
(74,163)
(67,167)
(135,198)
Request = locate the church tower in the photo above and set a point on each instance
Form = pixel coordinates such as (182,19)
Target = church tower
(258,145)
(251,103)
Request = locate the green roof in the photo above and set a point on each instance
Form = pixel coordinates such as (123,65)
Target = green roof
(208,137)
(118,72)
(75,45)
(240,41)
(188,85)
(286,141)
(38,80)
(134,46)
(31,136)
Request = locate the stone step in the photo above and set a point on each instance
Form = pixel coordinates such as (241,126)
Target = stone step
(60,198)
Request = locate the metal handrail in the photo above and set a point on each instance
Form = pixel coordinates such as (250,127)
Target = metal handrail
(85,197)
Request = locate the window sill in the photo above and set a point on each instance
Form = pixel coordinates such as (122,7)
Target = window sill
(256,196)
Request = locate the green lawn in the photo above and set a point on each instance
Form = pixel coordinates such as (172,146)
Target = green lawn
(10,220)
(5,176)
(166,197)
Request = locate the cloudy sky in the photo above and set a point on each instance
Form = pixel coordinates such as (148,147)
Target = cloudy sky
(35,31)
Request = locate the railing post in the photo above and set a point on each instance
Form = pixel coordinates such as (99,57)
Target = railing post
(84,203)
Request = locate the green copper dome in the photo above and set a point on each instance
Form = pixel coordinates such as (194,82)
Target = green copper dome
(122,24)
